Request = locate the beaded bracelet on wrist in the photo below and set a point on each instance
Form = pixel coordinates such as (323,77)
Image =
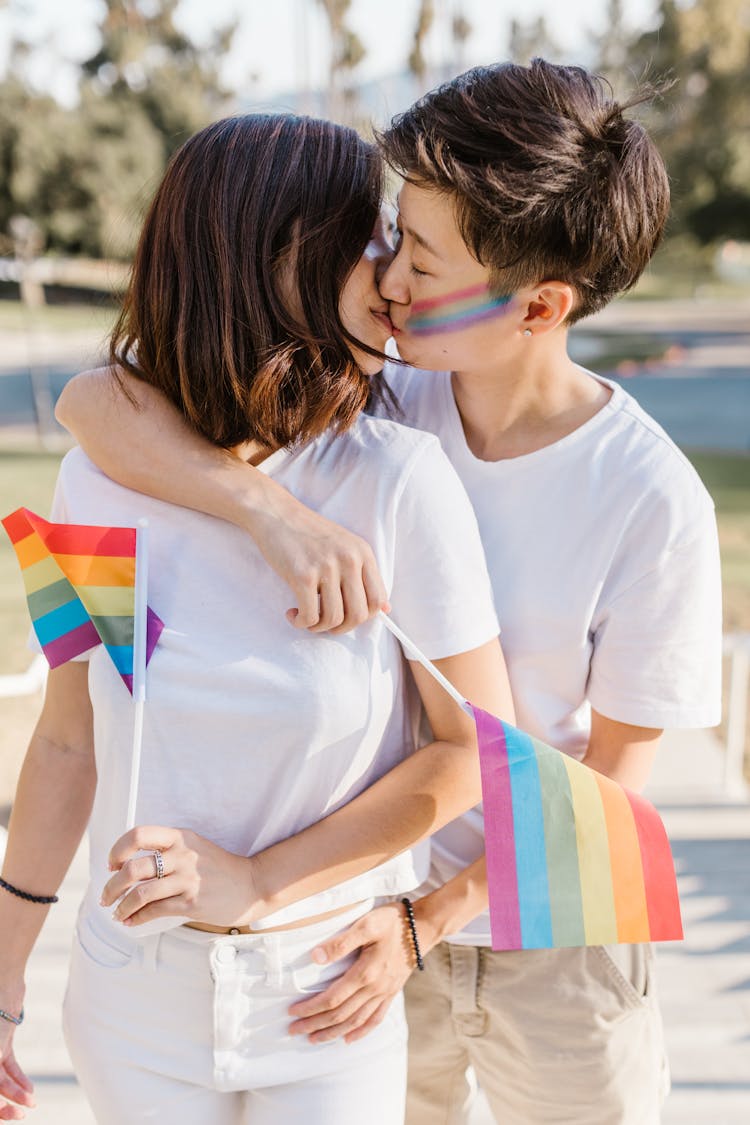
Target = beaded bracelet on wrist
(17,1020)
(406,903)
(44,900)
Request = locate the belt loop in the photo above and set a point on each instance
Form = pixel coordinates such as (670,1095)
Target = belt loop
(274,960)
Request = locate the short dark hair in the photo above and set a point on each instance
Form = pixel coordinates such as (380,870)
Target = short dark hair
(551,180)
(205,318)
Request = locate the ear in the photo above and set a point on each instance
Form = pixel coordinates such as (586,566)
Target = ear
(548,306)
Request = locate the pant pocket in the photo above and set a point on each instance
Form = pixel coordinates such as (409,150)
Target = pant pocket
(101,947)
(628,969)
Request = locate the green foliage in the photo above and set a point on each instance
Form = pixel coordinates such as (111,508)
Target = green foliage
(85,174)
(146,64)
(703,125)
(28,480)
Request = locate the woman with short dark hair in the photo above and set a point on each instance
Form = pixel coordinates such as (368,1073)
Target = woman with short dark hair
(254,307)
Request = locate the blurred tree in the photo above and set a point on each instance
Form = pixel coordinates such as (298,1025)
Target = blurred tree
(460,34)
(530,39)
(84,174)
(703,129)
(612,47)
(417,61)
(145,61)
(347,52)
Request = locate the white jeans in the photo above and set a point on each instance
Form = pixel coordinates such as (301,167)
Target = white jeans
(191,1028)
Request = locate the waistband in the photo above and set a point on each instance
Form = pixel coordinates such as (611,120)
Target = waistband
(205,927)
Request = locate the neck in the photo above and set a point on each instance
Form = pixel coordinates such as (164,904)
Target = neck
(525,401)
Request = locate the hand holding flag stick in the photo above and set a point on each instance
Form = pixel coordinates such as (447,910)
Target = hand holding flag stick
(140,611)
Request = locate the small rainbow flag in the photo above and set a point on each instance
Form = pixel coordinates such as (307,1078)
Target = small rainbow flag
(80,586)
(573,858)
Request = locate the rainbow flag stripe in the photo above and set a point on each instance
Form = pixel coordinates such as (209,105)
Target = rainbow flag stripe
(80,588)
(573,858)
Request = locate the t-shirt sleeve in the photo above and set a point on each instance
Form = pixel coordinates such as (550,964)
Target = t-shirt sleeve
(441,595)
(657,646)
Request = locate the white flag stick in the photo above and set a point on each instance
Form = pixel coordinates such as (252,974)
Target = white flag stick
(140,630)
(416,654)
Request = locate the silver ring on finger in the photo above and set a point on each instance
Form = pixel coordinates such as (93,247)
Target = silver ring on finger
(159,863)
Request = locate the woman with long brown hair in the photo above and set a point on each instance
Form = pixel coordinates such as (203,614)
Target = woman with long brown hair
(279,767)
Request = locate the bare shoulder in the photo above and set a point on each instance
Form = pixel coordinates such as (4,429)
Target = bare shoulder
(92,389)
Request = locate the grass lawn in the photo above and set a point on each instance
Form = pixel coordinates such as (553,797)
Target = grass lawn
(26,480)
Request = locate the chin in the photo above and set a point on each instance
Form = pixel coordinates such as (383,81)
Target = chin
(420,354)
(370,366)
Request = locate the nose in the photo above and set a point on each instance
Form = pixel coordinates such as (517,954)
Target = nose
(393,283)
(383,258)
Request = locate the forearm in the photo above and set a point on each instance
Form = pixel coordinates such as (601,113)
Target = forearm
(431,787)
(50,813)
(148,446)
(452,906)
(620,751)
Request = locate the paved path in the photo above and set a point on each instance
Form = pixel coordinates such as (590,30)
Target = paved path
(704,983)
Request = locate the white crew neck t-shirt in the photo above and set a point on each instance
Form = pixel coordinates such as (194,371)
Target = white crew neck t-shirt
(603,556)
(254,730)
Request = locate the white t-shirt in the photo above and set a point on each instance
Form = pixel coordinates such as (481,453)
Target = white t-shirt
(603,555)
(254,730)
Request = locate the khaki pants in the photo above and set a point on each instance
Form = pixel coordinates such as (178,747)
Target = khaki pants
(555,1036)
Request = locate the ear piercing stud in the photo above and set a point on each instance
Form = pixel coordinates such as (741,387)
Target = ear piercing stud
(527,332)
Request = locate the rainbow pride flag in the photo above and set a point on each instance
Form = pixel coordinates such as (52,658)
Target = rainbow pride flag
(573,858)
(80,587)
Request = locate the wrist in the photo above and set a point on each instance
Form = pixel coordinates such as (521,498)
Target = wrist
(448,909)
(257,903)
(430,922)
(260,500)
(12,993)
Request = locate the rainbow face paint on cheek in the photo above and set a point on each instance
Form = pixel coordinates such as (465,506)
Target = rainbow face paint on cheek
(455,311)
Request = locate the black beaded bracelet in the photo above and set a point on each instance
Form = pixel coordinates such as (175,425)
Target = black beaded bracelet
(45,900)
(406,903)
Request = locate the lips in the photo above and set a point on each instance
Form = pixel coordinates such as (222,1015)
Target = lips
(382,317)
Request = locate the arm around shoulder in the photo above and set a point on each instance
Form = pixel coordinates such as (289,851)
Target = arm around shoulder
(140,439)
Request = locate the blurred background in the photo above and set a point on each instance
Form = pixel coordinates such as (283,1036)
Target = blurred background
(96,94)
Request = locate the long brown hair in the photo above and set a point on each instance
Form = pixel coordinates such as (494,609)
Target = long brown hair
(250,208)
